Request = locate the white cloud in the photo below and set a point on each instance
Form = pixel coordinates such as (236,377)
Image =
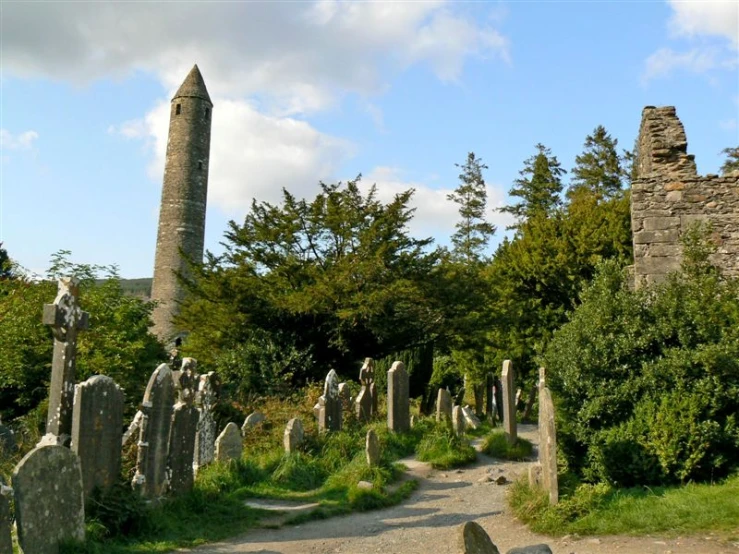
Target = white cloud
(706,17)
(297,57)
(22,141)
(665,61)
(253,155)
(435,215)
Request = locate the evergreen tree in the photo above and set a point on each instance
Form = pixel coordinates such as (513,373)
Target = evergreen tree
(732,160)
(6,268)
(599,168)
(538,187)
(473,231)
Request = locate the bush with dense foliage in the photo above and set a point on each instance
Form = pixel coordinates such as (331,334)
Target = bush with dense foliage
(646,382)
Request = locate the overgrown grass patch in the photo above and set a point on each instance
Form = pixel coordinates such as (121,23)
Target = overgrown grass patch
(602,510)
(496,445)
(443,449)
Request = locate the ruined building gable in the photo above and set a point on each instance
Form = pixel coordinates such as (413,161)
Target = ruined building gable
(668,196)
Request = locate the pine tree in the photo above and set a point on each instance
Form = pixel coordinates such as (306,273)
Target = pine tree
(473,231)
(538,187)
(599,168)
(732,160)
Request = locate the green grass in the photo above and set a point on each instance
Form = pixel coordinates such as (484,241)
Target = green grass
(496,445)
(601,510)
(443,449)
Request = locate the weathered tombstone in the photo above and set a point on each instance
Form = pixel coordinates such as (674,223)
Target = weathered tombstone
(489,398)
(294,435)
(153,445)
(470,419)
(372,448)
(458,423)
(346,397)
(548,446)
(229,445)
(184,429)
(398,403)
(205,437)
(49,506)
(186,381)
(444,406)
(364,402)
(329,417)
(6,541)
(96,431)
(472,539)
(65,318)
(252,420)
(509,405)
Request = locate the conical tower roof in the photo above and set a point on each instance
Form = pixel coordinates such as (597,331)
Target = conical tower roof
(193,86)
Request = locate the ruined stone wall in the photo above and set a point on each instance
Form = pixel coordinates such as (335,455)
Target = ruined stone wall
(668,196)
(184,196)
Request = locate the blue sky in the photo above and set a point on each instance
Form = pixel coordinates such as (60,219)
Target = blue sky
(309,91)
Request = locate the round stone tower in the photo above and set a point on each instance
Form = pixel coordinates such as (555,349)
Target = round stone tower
(184,195)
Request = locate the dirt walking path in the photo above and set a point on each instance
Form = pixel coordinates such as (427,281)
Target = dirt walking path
(427,522)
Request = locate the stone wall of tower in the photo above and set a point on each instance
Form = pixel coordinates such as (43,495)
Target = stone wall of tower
(183,205)
(668,196)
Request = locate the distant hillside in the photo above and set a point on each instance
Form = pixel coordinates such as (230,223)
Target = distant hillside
(137,287)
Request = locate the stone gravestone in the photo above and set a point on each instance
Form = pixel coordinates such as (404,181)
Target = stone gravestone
(293,436)
(65,318)
(252,420)
(329,416)
(97,425)
(471,420)
(229,445)
(372,449)
(346,397)
(548,446)
(498,398)
(49,505)
(184,429)
(364,402)
(157,408)
(444,406)
(398,404)
(509,405)
(489,398)
(472,539)
(373,394)
(205,437)
(6,541)
(458,423)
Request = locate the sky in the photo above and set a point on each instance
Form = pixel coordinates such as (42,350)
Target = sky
(310,91)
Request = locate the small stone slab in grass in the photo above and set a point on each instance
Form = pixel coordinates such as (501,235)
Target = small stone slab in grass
(535,549)
(472,539)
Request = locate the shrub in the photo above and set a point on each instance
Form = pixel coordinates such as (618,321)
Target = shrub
(444,449)
(496,445)
(646,382)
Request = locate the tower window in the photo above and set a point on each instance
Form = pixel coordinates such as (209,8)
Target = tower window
(207,113)
(200,165)
(178,109)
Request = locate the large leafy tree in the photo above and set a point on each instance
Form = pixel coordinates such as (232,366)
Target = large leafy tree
(538,187)
(732,160)
(338,277)
(473,230)
(599,170)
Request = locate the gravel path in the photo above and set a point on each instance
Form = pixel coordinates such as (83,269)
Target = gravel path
(426,523)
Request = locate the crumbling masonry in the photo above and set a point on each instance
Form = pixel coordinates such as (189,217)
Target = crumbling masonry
(668,196)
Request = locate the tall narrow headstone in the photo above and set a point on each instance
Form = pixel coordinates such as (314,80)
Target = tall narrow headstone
(346,397)
(443,406)
(372,448)
(97,425)
(184,429)
(365,402)
(398,404)
(458,422)
(548,445)
(65,318)
(509,403)
(157,406)
(293,436)
(49,506)
(229,444)
(329,417)
(6,540)
(205,437)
